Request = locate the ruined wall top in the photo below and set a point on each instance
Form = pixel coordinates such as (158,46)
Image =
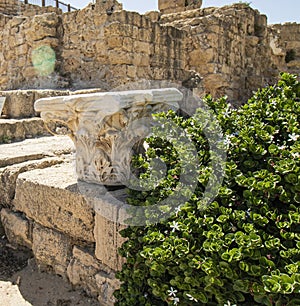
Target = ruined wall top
(16,7)
(109,6)
(174,6)
(9,7)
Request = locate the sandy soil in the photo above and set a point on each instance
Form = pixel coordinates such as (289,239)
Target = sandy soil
(21,284)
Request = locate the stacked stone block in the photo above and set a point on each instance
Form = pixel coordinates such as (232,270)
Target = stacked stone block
(229,47)
(125,47)
(174,6)
(232,48)
(285,43)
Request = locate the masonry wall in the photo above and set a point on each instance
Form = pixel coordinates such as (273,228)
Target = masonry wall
(15,7)
(230,48)
(102,50)
(24,38)
(285,43)
(47,214)
(171,6)
(102,46)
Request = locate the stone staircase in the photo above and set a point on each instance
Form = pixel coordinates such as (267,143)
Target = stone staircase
(19,120)
(41,206)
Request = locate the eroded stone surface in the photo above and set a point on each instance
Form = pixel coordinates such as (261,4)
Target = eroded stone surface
(83,269)
(33,149)
(173,6)
(109,240)
(51,249)
(51,197)
(16,130)
(17,228)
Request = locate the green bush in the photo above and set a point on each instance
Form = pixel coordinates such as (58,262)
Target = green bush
(244,248)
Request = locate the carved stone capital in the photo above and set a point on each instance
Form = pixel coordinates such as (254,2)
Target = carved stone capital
(107,128)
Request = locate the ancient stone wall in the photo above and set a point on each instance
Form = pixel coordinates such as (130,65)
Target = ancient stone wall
(230,48)
(30,52)
(46,213)
(285,43)
(103,46)
(172,6)
(10,7)
(15,7)
(110,50)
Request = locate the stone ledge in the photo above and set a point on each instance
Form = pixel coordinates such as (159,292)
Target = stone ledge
(15,130)
(33,149)
(20,103)
(51,198)
(9,175)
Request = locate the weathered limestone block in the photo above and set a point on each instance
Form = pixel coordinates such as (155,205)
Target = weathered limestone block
(13,129)
(173,6)
(105,127)
(20,103)
(9,175)
(107,234)
(17,228)
(200,57)
(51,249)
(141,46)
(119,58)
(131,71)
(50,197)
(107,286)
(34,149)
(115,42)
(108,5)
(83,269)
(43,26)
(140,60)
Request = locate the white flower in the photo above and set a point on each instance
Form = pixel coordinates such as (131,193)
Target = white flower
(296,155)
(271,137)
(227,141)
(177,210)
(229,304)
(175,226)
(172,292)
(293,137)
(227,112)
(191,298)
(175,300)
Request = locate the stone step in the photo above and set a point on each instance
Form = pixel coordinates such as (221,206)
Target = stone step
(51,197)
(20,103)
(20,129)
(34,149)
(9,175)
